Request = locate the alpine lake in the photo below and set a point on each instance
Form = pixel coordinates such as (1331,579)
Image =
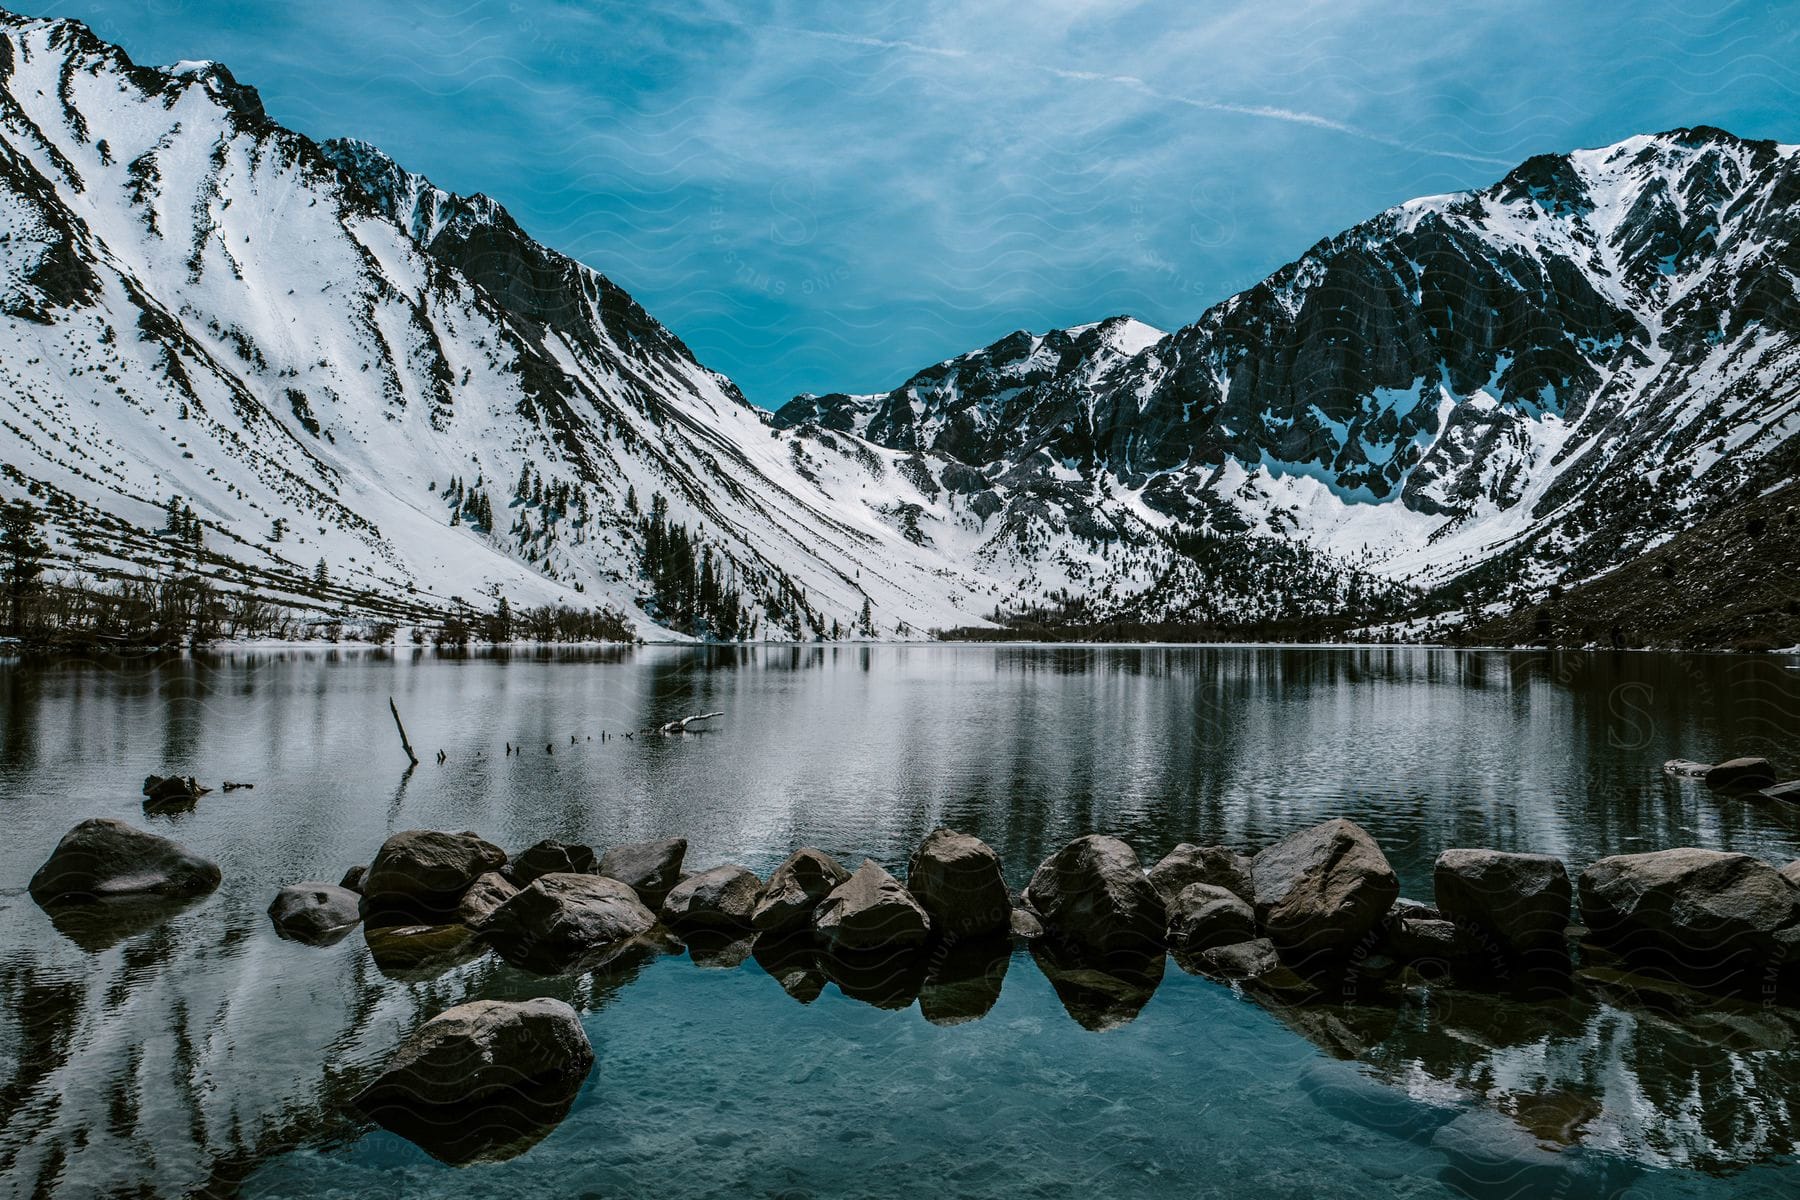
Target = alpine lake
(202,1054)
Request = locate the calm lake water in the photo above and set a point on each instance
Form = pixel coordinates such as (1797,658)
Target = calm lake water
(203,1055)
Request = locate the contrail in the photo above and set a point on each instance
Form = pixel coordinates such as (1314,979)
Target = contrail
(1266,112)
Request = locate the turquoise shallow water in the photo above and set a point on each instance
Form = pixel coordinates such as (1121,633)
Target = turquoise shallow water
(203,1055)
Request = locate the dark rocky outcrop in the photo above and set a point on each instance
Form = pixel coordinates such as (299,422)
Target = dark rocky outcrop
(957,879)
(1740,775)
(562,922)
(1516,904)
(315,913)
(1707,915)
(483,897)
(1025,924)
(421,875)
(103,859)
(1321,891)
(353,879)
(1203,915)
(871,910)
(1220,866)
(483,1081)
(171,793)
(797,886)
(649,868)
(549,857)
(1093,895)
(720,898)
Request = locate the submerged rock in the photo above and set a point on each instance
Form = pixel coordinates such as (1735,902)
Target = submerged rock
(549,857)
(720,949)
(315,913)
(171,793)
(421,874)
(802,880)
(721,898)
(649,868)
(419,952)
(1092,894)
(483,897)
(957,879)
(870,910)
(1220,866)
(1203,915)
(1692,912)
(104,859)
(561,922)
(1319,892)
(1516,904)
(484,1080)
(1740,775)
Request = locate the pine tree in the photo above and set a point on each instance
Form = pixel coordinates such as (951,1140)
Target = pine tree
(321,576)
(23,553)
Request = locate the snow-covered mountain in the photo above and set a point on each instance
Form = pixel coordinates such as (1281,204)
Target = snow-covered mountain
(331,361)
(1531,382)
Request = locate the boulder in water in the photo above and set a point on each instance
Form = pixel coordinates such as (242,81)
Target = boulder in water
(1740,775)
(1220,866)
(483,897)
(720,898)
(421,874)
(1516,904)
(315,913)
(561,922)
(871,910)
(414,953)
(802,880)
(958,881)
(649,868)
(1093,895)
(1204,915)
(102,859)
(1320,892)
(549,857)
(353,879)
(171,792)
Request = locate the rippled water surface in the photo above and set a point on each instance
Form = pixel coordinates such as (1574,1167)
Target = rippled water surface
(202,1054)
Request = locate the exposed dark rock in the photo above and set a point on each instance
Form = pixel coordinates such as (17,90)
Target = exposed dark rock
(1791,872)
(870,911)
(563,922)
(957,879)
(1741,775)
(1714,917)
(421,874)
(1518,904)
(1409,937)
(483,897)
(549,857)
(102,858)
(1203,915)
(1320,891)
(1093,895)
(803,879)
(353,879)
(483,1081)
(316,913)
(1683,768)
(650,868)
(721,898)
(1025,924)
(171,793)
(1220,866)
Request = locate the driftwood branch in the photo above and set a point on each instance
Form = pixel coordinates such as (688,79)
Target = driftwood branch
(674,727)
(404,744)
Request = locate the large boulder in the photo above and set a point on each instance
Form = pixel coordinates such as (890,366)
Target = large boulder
(421,874)
(103,859)
(871,910)
(549,857)
(484,896)
(1692,912)
(485,1080)
(721,898)
(649,868)
(563,921)
(802,880)
(1740,775)
(1320,892)
(1517,905)
(957,879)
(1203,915)
(1093,895)
(315,913)
(1220,866)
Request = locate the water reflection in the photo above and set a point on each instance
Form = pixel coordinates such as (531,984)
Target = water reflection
(173,1052)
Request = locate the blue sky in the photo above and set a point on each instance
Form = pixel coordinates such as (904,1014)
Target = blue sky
(828,197)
